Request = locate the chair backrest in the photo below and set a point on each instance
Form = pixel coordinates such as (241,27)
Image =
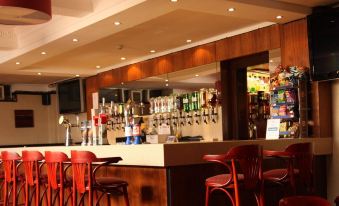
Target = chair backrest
(31,164)
(82,169)
(303,201)
(303,161)
(249,158)
(9,161)
(55,168)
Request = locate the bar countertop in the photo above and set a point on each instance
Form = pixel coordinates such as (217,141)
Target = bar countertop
(175,154)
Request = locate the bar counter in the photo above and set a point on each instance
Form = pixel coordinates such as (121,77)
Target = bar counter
(173,173)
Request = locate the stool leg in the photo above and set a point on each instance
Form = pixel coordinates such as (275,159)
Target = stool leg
(108,196)
(5,193)
(125,195)
(207,195)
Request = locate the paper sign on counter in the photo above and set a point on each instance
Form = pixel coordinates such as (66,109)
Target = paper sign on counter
(272,131)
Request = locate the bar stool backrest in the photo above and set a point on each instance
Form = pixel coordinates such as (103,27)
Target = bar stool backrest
(9,160)
(249,158)
(31,163)
(303,161)
(55,167)
(82,169)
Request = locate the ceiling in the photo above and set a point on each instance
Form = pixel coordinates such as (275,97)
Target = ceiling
(146,25)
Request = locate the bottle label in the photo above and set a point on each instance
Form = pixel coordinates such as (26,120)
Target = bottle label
(136,130)
(185,101)
(128,132)
(194,99)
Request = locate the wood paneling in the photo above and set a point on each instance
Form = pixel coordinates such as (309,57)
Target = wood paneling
(91,87)
(132,72)
(256,41)
(199,55)
(294,44)
(321,109)
(178,60)
(148,68)
(108,78)
(147,185)
(164,64)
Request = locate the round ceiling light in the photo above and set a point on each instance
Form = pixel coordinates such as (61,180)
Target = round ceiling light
(19,12)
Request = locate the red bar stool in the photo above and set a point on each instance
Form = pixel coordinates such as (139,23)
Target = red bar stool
(304,201)
(57,164)
(249,158)
(11,162)
(299,165)
(85,180)
(33,161)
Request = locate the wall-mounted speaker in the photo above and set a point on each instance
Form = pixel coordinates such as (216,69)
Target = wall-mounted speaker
(46,98)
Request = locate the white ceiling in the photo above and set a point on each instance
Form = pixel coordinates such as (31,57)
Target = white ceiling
(145,25)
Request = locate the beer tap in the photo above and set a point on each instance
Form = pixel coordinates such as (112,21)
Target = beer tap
(66,123)
(188,118)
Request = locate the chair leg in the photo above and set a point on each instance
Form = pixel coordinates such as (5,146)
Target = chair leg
(125,195)
(5,193)
(108,196)
(207,195)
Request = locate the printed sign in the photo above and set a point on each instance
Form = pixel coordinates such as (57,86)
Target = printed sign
(272,131)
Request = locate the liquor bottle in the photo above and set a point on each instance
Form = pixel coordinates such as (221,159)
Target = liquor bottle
(195,104)
(185,101)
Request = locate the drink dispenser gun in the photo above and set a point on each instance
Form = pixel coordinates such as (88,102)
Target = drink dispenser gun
(66,123)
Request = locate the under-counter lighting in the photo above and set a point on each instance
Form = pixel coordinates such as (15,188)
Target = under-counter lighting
(75,40)
(117,23)
(231,9)
(152,51)
(98,66)
(271,60)
(43,53)
(166,84)
(17,63)
(166,80)
(77,75)
(197,75)
(279,17)
(39,73)
(123,58)
(122,83)
(188,40)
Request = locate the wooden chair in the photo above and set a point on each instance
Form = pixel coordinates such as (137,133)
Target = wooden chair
(57,164)
(85,180)
(299,165)
(303,201)
(11,162)
(32,162)
(249,158)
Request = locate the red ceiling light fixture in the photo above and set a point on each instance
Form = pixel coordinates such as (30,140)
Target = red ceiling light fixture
(25,12)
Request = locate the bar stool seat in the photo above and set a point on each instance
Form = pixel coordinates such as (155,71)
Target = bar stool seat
(278,174)
(304,201)
(222,179)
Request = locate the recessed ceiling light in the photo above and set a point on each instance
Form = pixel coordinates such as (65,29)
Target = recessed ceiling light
(122,83)
(17,63)
(197,75)
(39,73)
(117,23)
(188,40)
(98,66)
(279,17)
(123,58)
(152,51)
(231,9)
(43,53)
(75,40)
(174,0)
(271,60)
(77,75)
(166,80)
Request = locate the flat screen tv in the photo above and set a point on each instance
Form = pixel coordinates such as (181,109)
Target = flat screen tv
(323,30)
(71,96)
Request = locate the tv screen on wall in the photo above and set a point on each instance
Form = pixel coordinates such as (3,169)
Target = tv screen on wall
(71,96)
(323,29)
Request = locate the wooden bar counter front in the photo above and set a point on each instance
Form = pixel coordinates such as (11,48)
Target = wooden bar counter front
(172,174)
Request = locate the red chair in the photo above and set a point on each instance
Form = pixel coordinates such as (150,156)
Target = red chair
(33,161)
(249,158)
(303,201)
(11,162)
(57,166)
(299,165)
(86,182)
